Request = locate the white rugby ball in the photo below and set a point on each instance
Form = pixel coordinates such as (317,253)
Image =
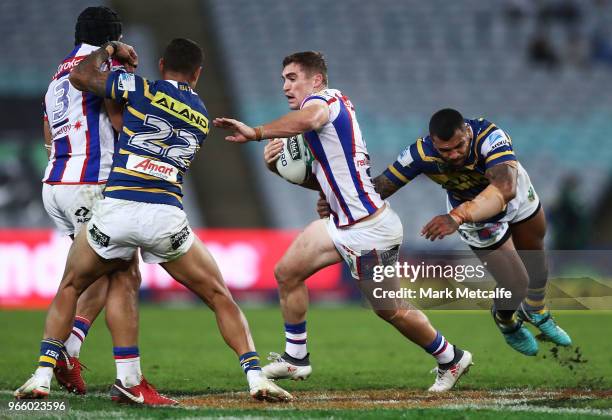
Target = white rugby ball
(294,163)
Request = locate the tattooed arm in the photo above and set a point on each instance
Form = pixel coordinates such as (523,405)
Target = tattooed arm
(87,76)
(384,186)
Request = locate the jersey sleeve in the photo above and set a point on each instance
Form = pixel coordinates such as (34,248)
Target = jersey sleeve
(496,148)
(332,102)
(123,86)
(405,168)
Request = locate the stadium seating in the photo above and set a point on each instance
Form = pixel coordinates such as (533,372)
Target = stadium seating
(398,67)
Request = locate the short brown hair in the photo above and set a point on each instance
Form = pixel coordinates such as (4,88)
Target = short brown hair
(311,62)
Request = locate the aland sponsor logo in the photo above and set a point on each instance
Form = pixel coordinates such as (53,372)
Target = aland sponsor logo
(152,167)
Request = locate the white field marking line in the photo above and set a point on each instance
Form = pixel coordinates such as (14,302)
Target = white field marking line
(548,410)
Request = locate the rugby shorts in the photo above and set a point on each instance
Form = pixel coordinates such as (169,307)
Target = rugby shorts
(374,241)
(70,206)
(119,227)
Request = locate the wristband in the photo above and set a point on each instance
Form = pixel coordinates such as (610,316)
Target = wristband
(259,132)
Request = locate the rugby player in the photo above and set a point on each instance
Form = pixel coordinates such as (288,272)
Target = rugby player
(80,141)
(164,125)
(363,226)
(495,209)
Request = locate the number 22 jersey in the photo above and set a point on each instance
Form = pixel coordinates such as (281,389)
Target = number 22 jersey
(164,124)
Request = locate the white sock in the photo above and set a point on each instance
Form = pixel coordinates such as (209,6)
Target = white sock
(445,353)
(254,377)
(295,345)
(45,373)
(73,345)
(128,371)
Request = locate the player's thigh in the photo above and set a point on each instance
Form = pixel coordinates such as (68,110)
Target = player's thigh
(312,250)
(197,270)
(127,278)
(504,264)
(84,265)
(529,234)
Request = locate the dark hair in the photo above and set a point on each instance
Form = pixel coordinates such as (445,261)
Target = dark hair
(444,123)
(96,26)
(183,56)
(311,62)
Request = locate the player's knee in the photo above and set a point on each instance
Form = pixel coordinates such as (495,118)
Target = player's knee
(386,314)
(284,276)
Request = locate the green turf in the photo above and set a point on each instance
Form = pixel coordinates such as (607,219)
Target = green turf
(182,353)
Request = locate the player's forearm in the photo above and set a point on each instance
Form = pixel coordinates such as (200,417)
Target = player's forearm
(384,186)
(294,123)
(87,76)
(487,204)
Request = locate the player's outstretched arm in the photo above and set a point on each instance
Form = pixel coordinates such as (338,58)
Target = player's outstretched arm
(490,202)
(313,116)
(87,76)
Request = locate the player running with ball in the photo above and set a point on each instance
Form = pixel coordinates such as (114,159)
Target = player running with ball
(363,226)
(165,123)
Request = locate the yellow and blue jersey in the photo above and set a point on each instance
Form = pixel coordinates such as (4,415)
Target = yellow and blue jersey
(164,125)
(489,146)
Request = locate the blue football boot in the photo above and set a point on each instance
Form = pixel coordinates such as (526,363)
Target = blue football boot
(546,324)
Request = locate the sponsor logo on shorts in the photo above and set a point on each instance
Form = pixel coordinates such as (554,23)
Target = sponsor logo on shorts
(390,256)
(82,215)
(98,236)
(152,167)
(531,193)
(179,238)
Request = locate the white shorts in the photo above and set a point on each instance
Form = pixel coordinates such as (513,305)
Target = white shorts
(70,206)
(522,207)
(118,227)
(382,234)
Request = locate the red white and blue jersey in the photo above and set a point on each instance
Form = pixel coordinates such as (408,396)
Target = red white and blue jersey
(342,163)
(82,135)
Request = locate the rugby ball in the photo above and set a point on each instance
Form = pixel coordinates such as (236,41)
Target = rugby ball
(295,160)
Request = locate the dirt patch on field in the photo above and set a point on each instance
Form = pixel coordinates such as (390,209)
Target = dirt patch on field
(396,398)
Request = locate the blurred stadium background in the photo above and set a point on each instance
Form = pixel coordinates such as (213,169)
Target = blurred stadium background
(542,70)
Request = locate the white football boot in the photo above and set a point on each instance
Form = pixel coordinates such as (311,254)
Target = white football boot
(37,387)
(447,378)
(287,367)
(263,389)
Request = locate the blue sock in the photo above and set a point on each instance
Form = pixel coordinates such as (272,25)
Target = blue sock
(250,361)
(50,351)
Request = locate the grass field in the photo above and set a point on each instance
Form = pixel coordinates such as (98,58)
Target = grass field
(362,367)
